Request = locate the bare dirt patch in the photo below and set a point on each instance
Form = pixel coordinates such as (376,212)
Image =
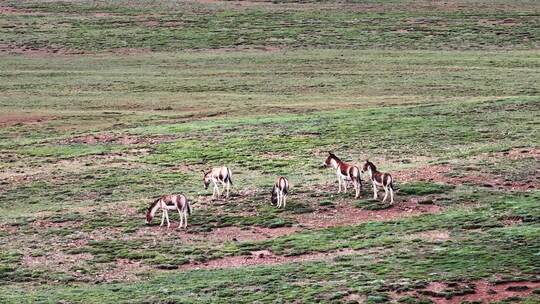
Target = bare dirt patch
(105,15)
(233,3)
(274,155)
(22,119)
(251,234)
(494,22)
(511,220)
(41,224)
(9,228)
(93,139)
(492,181)
(16,176)
(123,270)
(24,173)
(99,234)
(431,235)
(33,51)
(480,291)
(426,173)
(56,261)
(129,51)
(355,298)
(520,153)
(9,10)
(346,214)
(265,257)
(442,174)
(218,235)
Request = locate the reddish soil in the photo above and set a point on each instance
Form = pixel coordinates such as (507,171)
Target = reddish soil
(346,214)
(431,235)
(104,15)
(41,224)
(8,228)
(484,291)
(187,168)
(23,173)
(230,3)
(129,51)
(491,22)
(98,234)
(124,270)
(355,298)
(440,174)
(151,23)
(512,220)
(25,119)
(8,10)
(56,260)
(251,234)
(218,235)
(93,139)
(264,257)
(37,51)
(520,153)
(427,173)
(16,176)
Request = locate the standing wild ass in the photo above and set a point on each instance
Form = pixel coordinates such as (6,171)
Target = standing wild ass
(345,172)
(380,179)
(218,175)
(280,191)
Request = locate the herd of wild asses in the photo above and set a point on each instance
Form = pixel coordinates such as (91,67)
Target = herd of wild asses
(223,175)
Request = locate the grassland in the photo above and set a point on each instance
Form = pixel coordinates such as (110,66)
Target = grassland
(105,105)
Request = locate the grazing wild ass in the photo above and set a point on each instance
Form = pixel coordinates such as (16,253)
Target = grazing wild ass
(379,179)
(345,172)
(170,202)
(280,191)
(218,175)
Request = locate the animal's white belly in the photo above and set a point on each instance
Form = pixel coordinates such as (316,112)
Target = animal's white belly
(345,177)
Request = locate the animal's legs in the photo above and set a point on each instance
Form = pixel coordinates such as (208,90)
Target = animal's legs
(181,219)
(167,217)
(216,189)
(162,217)
(385,194)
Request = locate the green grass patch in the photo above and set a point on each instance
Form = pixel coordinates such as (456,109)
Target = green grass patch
(424,188)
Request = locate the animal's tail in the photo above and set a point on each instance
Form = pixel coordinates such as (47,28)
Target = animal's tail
(359,177)
(392,186)
(229,175)
(188,206)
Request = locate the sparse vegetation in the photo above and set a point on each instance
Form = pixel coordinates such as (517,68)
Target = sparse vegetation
(108,104)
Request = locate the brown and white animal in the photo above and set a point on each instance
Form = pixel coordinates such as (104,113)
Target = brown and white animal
(379,179)
(280,190)
(170,202)
(345,172)
(218,175)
